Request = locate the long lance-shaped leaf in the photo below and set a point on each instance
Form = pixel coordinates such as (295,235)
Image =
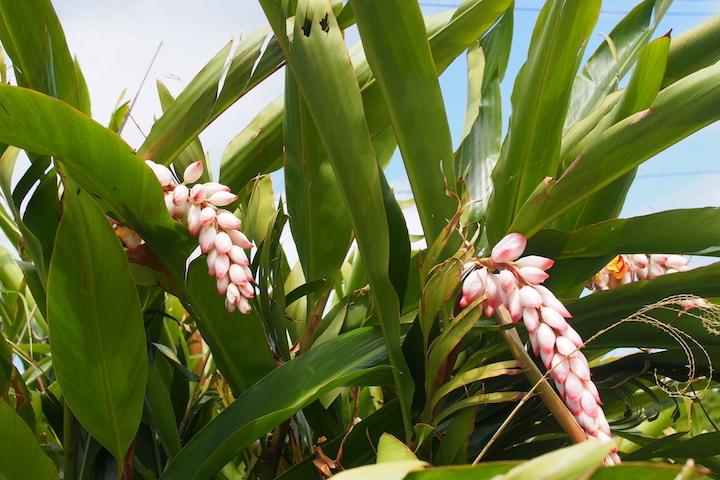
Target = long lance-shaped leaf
(691,231)
(19,449)
(210,93)
(480,148)
(194,151)
(33,38)
(96,320)
(274,399)
(319,220)
(398,52)
(693,50)
(449,34)
(640,93)
(540,101)
(319,61)
(105,166)
(679,110)
(614,57)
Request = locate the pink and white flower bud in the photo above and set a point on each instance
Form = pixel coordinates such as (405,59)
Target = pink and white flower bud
(509,248)
(472,288)
(546,338)
(237,274)
(180,195)
(227,220)
(223,242)
(222,265)
(579,365)
(238,238)
(553,319)
(207,238)
(507,280)
(222,284)
(230,307)
(531,319)
(549,300)
(573,336)
(560,368)
(170,204)
(207,215)
(589,405)
(237,255)
(573,387)
(676,261)
(233,294)
(222,198)
(529,297)
(193,172)
(163,174)
(514,306)
(564,346)
(197,193)
(243,305)
(533,275)
(211,257)
(535,261)
(193,220)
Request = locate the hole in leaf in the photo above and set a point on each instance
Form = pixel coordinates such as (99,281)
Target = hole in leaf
(307,26)
(325,24)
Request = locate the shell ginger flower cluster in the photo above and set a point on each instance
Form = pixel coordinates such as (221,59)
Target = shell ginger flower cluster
(514,282)
(218,230)
(625,269)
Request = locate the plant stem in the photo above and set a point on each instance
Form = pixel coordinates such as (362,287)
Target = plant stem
(540,384)
(70,440)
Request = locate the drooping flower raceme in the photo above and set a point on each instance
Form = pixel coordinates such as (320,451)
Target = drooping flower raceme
(514,282)
(218,230)
(624,269)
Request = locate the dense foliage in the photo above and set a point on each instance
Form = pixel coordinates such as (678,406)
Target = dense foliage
(376,355)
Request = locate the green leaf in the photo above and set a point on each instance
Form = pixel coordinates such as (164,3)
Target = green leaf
(387,471)
(614,57)
(33,38)
(679,110)
(568,463)
(216,87)
(390,449)
(508,367)
(693,50)
(540,99)
(160,409)
(23,457)
(106,167)
(194,151)
(480,148)
(97,322)
(320,64)
(684,231)
(274,399)
(640,93)
(398,52)
(319,219)
(697,447)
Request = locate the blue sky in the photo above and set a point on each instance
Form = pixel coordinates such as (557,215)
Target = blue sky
(115,41)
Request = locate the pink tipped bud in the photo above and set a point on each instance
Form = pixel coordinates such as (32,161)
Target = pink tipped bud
(223,242)
(233,294)
(515,307)
(472,288)
(546,338)
(207,215)
(535,261)
(587,423)
(222,284)
(579,365)
(238,238)
(507,280)
(197,194)
(589,405)
(193,220)
(531,319)
(590,387)
(222,198)
(676,261)
(237,255)
(227,220)
(509,248)
(180,195)
(489,311)
(212,256)
(207,238)
(492,289)
(237,274)
(640,260)
(573,387)
(561,368)
(553,318)
(565,346)
(533,275)
(549,300)
(247,290)
(222,265)
(573,336)
(193,172)
(163,174)
(574,407)
(170,204)
(230,307)
(530,298)
(659,258)
(244,306)
(603,437)
(546,358)
(560,389)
